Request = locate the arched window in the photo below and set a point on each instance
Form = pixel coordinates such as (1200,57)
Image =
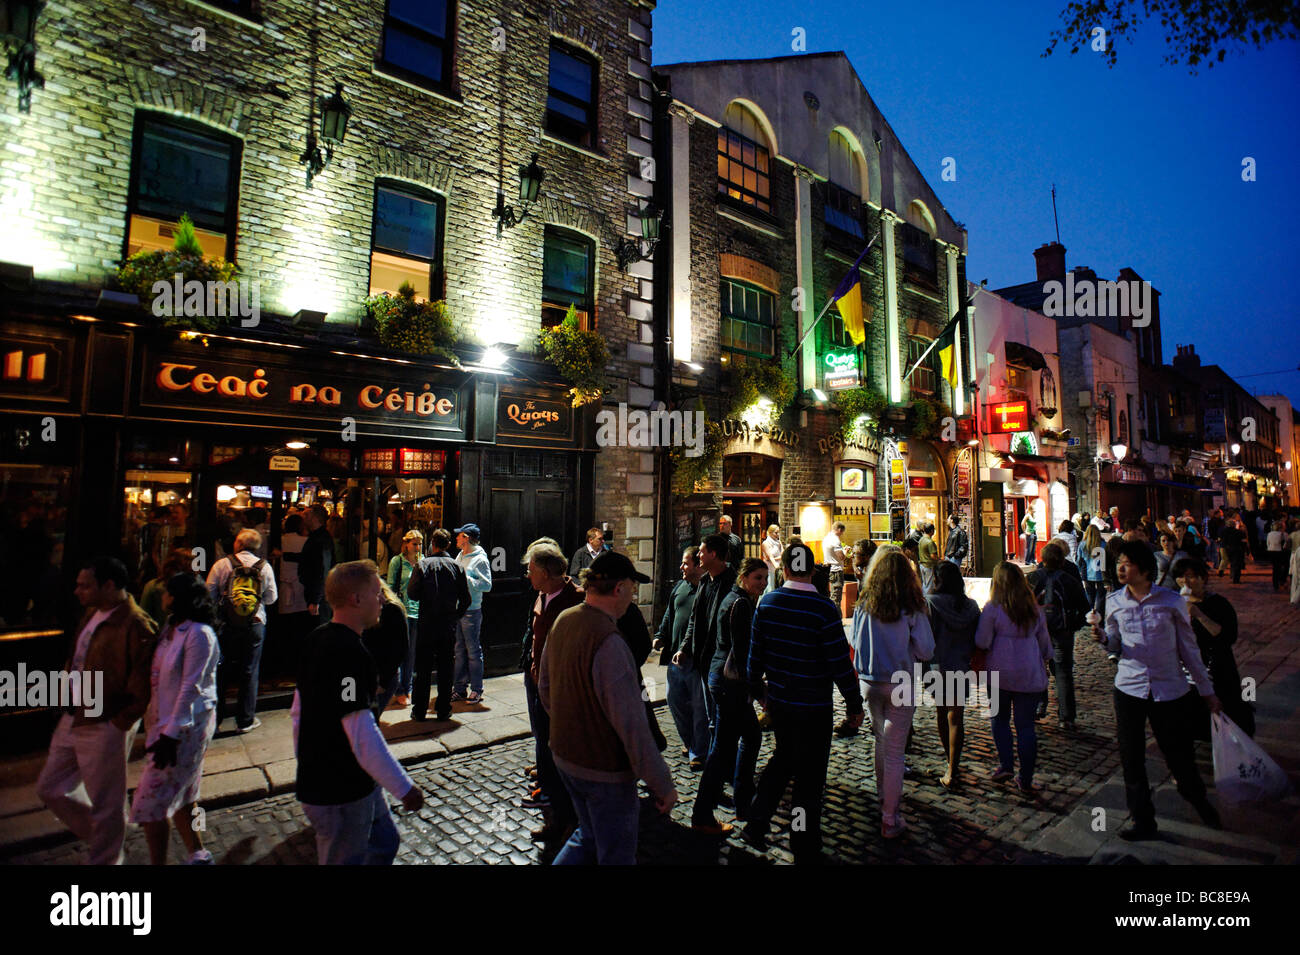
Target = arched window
(844,189)
(920,264)
(743,159)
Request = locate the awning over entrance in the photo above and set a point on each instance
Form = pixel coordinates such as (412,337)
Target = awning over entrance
(1019,354)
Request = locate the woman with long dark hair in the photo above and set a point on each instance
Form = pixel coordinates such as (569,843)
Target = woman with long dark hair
(1014,631)
(1214,621)
(954,618)
(891,632)
(180,721)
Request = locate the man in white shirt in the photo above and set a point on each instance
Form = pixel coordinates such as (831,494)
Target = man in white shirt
(833,551)
(242,634)
(344,764)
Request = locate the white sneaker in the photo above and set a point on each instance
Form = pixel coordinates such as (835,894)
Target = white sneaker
(202,857)
(249,728)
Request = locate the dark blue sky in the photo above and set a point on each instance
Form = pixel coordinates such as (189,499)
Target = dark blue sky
(1146,157)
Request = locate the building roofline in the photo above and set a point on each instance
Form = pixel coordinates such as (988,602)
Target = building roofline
(760,59)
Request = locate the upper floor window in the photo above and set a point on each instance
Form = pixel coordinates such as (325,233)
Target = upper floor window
(571,96)
(748,319)
(406,241)
(844,188)
(567,278)
(244,8)
(178,167)
(743,164)
(918,255)
(417,41)
(923,378)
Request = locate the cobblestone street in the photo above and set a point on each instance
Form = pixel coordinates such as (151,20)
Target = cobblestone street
(472,813)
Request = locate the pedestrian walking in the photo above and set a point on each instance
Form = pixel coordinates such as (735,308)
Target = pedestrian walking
(291,623)
(685,688)
(1279,554)
(83,781)
(1064,603)
(928,555)
(1232,540)
(442,589)
(1214,621)
(474,561)
(241,586)
(1168,555)
(735,546)
(958,545)
(833,551)
(863,550)
(796,651)
(701,638)
(1147,627)
(556,593)
(954,618)
(733,755)
(589,684)
(388,642)
(772,548)
(891,632)
(400,570)
(1067,534)
(1014,631)
(180,721)
(589,551)
(344,764)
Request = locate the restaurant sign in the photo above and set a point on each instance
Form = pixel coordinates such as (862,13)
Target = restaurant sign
(375,400)
(534,417)
(840,370)
(1007,417)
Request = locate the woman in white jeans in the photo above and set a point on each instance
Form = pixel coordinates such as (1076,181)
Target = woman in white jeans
(891,632)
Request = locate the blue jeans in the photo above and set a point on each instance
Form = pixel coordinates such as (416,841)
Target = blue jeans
(241,659)
(608,818)
(1023,705)
(686,703)
(406,672)
(548,775)
(469,652)
(355,833)
(734,755)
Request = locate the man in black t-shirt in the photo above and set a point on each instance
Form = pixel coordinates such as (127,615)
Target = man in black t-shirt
(442,589)
(343,760)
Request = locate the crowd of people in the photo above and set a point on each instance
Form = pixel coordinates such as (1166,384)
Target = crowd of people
(737,633)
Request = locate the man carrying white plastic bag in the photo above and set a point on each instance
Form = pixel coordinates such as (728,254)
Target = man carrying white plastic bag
(1243,772)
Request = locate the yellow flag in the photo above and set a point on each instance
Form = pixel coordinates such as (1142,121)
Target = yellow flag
(850,306)
(948,356)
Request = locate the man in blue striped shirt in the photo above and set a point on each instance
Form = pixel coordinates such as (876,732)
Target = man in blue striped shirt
(798,645)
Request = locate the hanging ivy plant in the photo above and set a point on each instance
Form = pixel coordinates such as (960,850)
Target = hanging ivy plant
(689,471)
(852,404)
(139,272)
(581,356)
(418,328)
(927,416)
(755,380)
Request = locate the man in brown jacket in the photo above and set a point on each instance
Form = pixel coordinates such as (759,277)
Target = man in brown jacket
(84,778)
(600,735)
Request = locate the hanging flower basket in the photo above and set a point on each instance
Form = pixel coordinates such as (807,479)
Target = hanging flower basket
(139,274)
(417,328)
(580,355)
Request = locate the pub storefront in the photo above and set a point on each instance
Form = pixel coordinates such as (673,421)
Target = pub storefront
(158,445)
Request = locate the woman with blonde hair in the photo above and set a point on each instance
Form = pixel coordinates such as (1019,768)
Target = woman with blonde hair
(388,642)
(772,548)
(891,632)
(1014,631)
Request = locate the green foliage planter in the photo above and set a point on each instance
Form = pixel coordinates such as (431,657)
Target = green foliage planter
(853,403)
(417,328)
(138,274)
(761,379)
(581,356)
(927,417)
(690,471)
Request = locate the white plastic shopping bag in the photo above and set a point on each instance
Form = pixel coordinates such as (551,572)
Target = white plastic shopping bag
(1243,772)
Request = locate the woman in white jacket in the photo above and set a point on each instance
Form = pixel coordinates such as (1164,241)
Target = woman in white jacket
(891,632)
(180,721)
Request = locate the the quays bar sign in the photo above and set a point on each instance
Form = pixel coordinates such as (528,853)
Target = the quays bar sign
(378,400)
(534,417)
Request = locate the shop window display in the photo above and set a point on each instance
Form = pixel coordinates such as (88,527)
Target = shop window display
(33,521)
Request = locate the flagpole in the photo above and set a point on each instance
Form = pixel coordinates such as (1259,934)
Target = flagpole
(938,338)
(822,313)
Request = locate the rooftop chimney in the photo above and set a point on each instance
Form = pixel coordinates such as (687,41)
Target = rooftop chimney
(1186,358)
(1050,259)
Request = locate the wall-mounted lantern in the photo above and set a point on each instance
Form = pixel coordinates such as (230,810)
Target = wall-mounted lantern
(636,250)
(334,115)
(19,38)
(530,183)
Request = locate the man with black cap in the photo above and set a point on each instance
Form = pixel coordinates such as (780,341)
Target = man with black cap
(600,736)
(440,586)
(469,648)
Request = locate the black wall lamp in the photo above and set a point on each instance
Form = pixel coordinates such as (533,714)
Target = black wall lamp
(636,250)
(334,115)
(19,38)
(530,182)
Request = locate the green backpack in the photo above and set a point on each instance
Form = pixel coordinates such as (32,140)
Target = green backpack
(243,593)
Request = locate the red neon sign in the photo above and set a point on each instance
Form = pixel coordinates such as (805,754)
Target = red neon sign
(1009,416)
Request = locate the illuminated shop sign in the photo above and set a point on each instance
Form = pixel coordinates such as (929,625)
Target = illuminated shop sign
(840,370)
(1008,417)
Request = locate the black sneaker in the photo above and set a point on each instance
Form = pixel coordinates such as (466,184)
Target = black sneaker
(1137,832)
(753,836)
(1209,815)
(845,729)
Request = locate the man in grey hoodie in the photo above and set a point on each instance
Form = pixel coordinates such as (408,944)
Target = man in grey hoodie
(469,648)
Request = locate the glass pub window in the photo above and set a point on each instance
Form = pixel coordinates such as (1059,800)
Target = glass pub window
(923,379)
(405,243)
(571,96)
(743,160)
(417,40)
(566,278)
(182,168)
(748,319)
(844,188)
